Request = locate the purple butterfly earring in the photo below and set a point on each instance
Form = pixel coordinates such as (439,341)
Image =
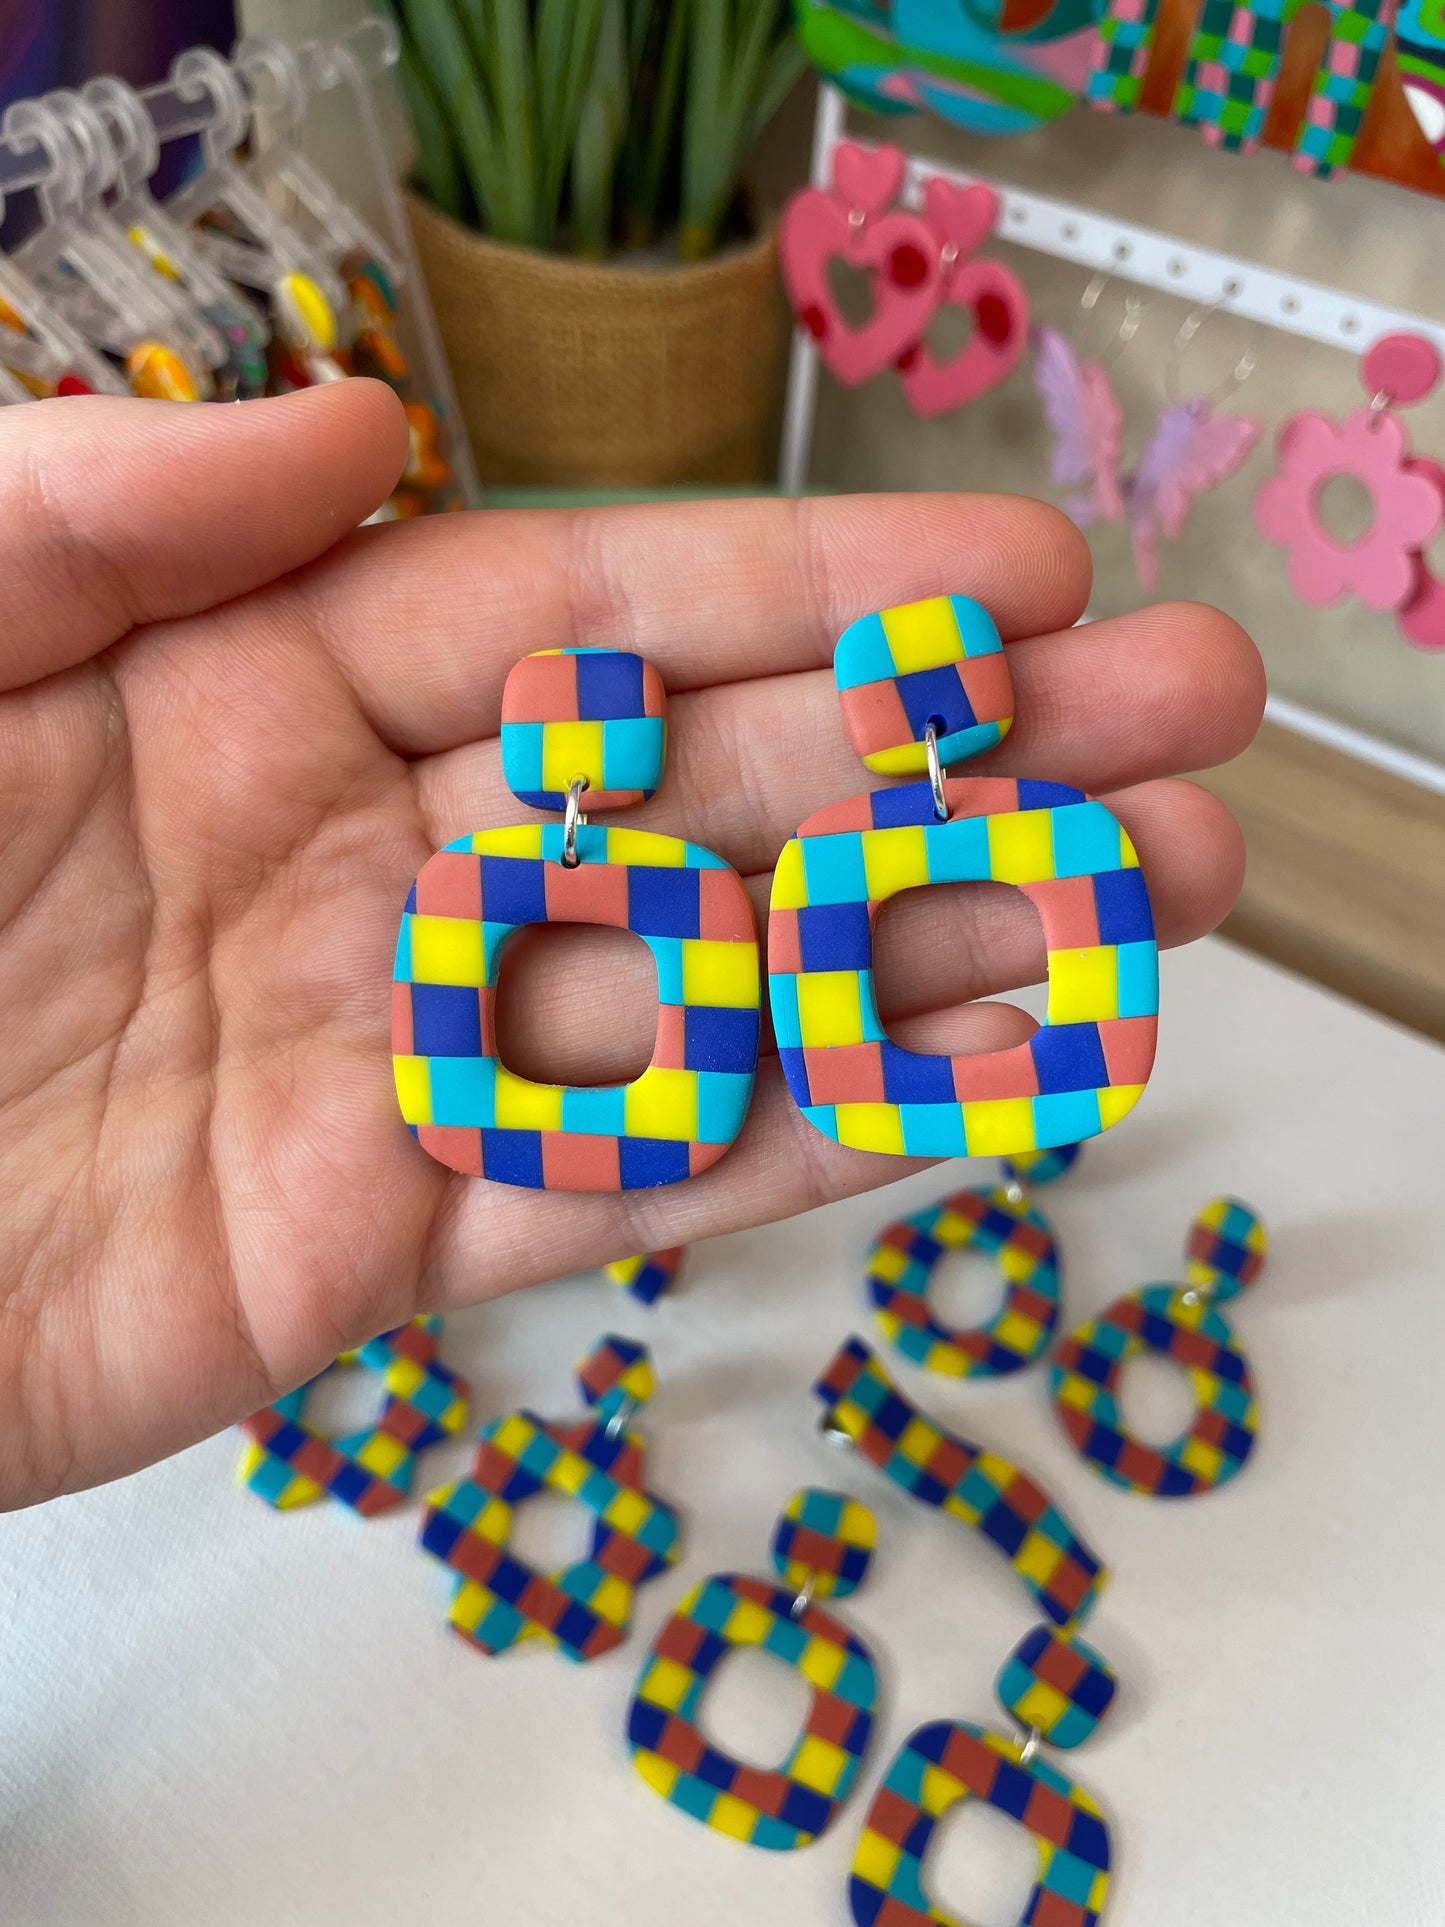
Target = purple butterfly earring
(1081,410)
(1190,450)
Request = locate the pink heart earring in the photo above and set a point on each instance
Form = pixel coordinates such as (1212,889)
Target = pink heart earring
(849,222)
(1082,411)
(962,218)
(1384,568)
(1190,450)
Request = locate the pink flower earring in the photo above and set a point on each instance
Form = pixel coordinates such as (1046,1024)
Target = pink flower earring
(1384,568)
(849,222)
(1190,450)
(962,218)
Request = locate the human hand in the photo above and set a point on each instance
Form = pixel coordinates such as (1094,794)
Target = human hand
(231,732)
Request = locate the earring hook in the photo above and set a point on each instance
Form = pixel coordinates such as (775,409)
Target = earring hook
(1189,327)
(1136,306)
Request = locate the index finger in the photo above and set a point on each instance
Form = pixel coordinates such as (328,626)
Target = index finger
(426,617)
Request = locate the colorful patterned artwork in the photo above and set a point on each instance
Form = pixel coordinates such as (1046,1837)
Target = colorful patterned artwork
(1056,1686)
(937,663)
(823,1543)
(948,1761)
(969,63)
(287,1463)
(1084,1068)
(968,1482)
(781,1808)
(600,714)
(463,1104)
(1008,1228)
(647,1275)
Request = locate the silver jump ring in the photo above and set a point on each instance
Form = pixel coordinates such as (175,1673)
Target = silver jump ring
(618,1421)
(572,822)
(1030,1746)
(804,1599)
(833,1434)
(935,773)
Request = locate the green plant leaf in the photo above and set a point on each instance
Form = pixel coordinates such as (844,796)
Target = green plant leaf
(785,67)
(444,54)
(601,125)
(658,131)
(436,155)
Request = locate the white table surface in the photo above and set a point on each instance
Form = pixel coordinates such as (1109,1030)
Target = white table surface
(214,1715)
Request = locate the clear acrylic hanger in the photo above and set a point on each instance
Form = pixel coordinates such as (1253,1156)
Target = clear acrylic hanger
(272,250)
(37,341)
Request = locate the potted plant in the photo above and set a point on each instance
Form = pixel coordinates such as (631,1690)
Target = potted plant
(608,300)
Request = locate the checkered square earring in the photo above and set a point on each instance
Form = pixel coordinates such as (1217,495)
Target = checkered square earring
(922,686)
(821,1549)
(1224,1252)
(1058,1689)
(581,728)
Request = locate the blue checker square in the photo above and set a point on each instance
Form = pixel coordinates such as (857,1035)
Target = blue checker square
(935,696)
(663,902)
(513,889)
(835,936)
(905,804)
(910,1078)
(646,1161)
(446,1020)
(1034,794)
(1122,900)
(1089,1839)
(720,1039)
(645,1724)
(609,684)
(1068,1057)
(513,1157)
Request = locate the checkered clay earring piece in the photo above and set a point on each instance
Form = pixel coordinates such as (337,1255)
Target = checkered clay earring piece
(581,729)
(647,1276)
(1224,1252)
(1058,1689)
(865,1409)
(923,685)
(287,1463)
(584,1609)
(821,1546)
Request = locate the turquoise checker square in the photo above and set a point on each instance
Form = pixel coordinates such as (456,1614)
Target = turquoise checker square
(633,751)
(594,1111)
(833,870)
(722,1102)
(494,935)
(1066,1118)
(957,852)
(862,654)
(667,952)
(401,968)
(464,1091)
(700,859)
(1086,840)
(933,1130)
(873,1031)
(787,1030)
(977,630)
(823,1117)
(1138,979)
(522,755)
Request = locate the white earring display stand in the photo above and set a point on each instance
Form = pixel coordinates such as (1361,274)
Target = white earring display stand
(1153,260)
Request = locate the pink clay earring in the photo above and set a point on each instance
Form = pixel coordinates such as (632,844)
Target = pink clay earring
(855,221)
(1082,411)
(1384,568)
(962,218)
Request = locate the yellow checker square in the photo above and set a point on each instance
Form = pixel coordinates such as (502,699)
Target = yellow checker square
(1084,985)
(1042,1706)
(894,859)
(1201,1458)
(570,750)
(522,1105)
(514,1434)
(939,1790)
(665,1683)
(818,1763)
(870,1127)
(404,1377)
(522,839)
(1021,846)
(922,635)
(733,1816)
(876,1858)
(381,1454)
(447,950)
(646,849)
(1038,1558)
(917,1441)
(627,1511)
(723,974)
(748,1623)
(1018,1332)
(1117,1101)
(659,1774)
(998,1126)
(661,1104)
(790,883)
(612,1600)
(830,1008)
(569,1472)
(413,1088)
(821,1663)
(889,1263)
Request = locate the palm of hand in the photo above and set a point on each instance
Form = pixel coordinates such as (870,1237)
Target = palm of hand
(217,778)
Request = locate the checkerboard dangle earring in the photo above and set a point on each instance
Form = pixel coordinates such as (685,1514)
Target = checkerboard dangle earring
(585,1608)
(821,1548)
(581,728)
(923,686)
(1223,1253)
(1058,1689)
(999,1221)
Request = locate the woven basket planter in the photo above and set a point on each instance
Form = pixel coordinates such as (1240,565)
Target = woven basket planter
(575,372)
